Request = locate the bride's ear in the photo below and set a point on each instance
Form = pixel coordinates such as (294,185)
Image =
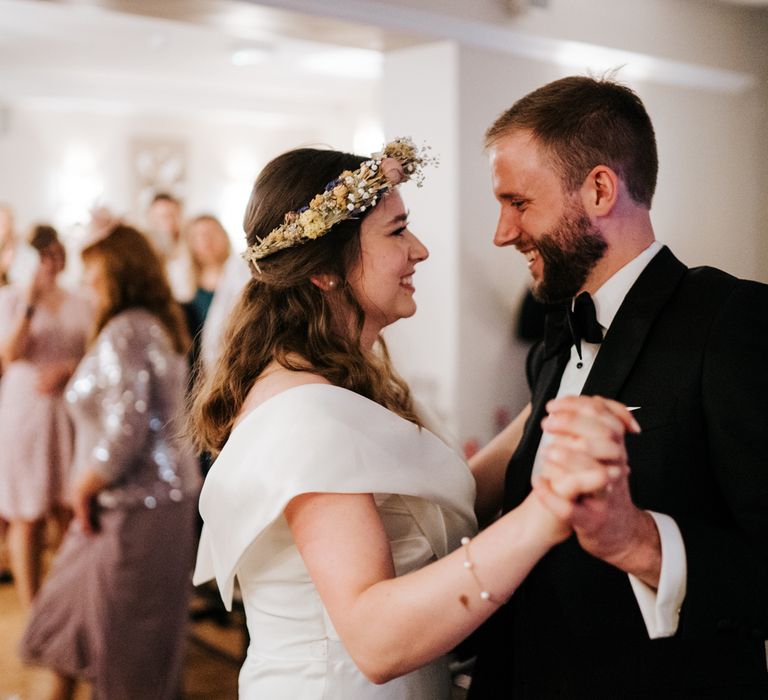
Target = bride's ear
(327,283)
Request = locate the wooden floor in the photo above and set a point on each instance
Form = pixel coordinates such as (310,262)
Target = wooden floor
(214,655)
(210,671)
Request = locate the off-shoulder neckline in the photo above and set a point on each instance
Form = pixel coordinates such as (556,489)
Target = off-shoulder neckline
(313,386)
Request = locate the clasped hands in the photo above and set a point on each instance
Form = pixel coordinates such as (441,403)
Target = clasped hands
(584,481)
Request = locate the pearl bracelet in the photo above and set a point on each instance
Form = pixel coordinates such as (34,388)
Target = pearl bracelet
(469,565)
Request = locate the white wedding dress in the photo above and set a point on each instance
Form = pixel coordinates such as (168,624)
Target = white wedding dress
(321,438)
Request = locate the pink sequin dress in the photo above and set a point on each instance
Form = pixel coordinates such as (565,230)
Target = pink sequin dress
(36,440)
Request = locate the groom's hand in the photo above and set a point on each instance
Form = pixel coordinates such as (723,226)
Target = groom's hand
(585,480)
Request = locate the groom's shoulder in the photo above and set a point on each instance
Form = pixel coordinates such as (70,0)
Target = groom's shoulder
(710,285)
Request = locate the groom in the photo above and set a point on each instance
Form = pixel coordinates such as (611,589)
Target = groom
(662,592)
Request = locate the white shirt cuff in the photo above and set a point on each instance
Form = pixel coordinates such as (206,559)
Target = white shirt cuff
(660,607)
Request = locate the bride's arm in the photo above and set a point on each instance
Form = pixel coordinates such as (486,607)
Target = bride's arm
(389,625)
(489,466)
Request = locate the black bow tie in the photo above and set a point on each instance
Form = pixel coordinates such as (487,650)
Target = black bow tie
(565,327)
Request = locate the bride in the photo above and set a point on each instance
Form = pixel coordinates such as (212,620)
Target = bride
(345,520)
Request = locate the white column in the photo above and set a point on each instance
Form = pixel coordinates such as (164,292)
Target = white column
(459,352)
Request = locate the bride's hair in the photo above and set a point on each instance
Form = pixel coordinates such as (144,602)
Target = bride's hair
(281,315)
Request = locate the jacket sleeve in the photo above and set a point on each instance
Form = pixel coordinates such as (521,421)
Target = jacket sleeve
(124,374)
(727,590)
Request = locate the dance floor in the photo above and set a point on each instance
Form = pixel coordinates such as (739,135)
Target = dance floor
(215,650)
(210,671)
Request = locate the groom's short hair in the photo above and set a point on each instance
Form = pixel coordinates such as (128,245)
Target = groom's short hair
(582,122)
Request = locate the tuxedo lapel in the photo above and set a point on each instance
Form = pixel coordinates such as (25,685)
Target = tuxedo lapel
(624,339)
(549,381)
(518,476)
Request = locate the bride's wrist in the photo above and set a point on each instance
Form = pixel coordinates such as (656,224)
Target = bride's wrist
(544,527)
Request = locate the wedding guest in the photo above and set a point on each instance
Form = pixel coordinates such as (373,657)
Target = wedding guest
(7,250)
(43,331)
(7,243)
(329,501)
(164,225)
(113,610)
(234,277)
(661,593)
(209,249)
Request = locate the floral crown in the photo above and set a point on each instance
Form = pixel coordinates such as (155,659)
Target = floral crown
(346,197)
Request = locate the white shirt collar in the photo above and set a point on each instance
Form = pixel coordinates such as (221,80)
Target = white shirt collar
(611,294)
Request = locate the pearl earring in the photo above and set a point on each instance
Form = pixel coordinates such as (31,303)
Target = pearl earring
(331,284)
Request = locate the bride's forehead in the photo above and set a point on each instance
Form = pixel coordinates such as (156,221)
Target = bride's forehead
(389,207)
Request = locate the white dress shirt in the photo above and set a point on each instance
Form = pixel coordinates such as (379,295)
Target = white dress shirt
(659,607)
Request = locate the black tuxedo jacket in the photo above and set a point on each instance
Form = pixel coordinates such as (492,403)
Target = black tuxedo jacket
(689,347)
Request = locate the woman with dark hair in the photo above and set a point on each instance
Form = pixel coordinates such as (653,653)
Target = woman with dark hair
(43,329)
(114,606)
(329,501)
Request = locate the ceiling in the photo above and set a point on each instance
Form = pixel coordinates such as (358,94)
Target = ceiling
(224,56)
(753,3)
(181,55)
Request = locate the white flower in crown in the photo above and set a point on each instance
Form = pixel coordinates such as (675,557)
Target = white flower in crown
(348,196)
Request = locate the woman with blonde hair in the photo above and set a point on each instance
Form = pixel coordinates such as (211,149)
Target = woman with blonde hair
(113,609)
(43,329)
(209,251)
(332,505)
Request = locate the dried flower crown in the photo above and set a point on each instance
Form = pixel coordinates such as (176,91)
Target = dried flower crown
(346,197)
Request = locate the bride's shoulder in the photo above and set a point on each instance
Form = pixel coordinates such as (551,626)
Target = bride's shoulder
(274,380)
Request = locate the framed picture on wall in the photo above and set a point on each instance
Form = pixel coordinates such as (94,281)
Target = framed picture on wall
(158,165)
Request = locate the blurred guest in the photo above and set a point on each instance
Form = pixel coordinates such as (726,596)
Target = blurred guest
(209,250)
(164,218)
(43,329)
(234,277)
(7,243)
(7,250)
(220,276)
(114,607)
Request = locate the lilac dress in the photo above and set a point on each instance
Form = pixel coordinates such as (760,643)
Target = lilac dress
(35,432)
(113,609)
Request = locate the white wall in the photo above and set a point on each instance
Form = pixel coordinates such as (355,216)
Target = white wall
(493,280)
(419,99)
(710,205)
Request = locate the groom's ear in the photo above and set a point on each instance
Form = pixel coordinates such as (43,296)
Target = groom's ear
(600,191)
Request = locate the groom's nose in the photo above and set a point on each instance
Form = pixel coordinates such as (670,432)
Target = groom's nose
(507,229)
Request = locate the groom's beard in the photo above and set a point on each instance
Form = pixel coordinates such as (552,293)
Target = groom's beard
(569,253)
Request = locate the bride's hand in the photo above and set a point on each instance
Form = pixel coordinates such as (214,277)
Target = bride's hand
(586,456)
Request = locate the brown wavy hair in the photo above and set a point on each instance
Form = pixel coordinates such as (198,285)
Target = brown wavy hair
(136,279)
(281,315)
